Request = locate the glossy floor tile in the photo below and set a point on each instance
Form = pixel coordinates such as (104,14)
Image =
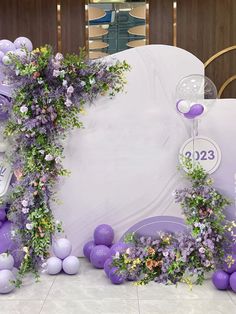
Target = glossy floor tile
(91,292)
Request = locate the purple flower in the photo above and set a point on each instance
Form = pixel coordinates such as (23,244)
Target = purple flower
(25,210)
(68,102)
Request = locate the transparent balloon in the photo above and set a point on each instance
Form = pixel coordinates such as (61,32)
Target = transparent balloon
(195,95)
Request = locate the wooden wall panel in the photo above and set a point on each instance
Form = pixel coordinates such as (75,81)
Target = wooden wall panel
(72,25)
(161,22)
(35,19)
(205,27)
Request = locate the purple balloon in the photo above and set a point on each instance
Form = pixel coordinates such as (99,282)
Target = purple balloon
(99,255)
(195,110)
(220,280)
(6,281)
(4,107)
(88,248)
(22,42)
(6,261)
(3,214)
(62,248)
(230,263)
(54,265)
(1,56)
(115,277)
(6,45)
(103,234)
(70,265)
(108,266)
(232,281)
(119,247)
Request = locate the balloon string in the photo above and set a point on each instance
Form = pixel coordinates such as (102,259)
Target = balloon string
(195,133)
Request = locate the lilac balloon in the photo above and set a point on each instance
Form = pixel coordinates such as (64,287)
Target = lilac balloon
(104,234)
(99,255)
(232,281)
(6,281)
(220,280)
(54,265)
(70,265)
(1,56)
(115,277)
(6,45)
(22,42)
(195,111)
(3,212)
(15,271)
(6,261)
(62,248)
(4,107)
(230,263)
(108,266)
(88,248)
(119,247)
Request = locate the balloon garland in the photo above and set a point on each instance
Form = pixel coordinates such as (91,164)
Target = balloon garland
(50,91)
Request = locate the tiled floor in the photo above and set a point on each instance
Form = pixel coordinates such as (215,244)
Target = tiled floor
(91,292)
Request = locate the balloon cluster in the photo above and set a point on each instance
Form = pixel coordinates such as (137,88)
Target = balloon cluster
(101,250)
(194,94)
(8,273)
(62,260)
(18,47)
(225,278)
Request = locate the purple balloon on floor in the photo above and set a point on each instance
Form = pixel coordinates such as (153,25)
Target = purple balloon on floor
(103,234)
(115,277)
(6,281)
(62,248)
(88,248)
(99,255)
(220,280)
(232,281)
(70,265)
(6,261)
(108,266)
(230,263)
(54,265)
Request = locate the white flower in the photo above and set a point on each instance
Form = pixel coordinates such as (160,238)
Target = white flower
(68,102)
(29,226)
(24,203)
(117,255)
(82,83)
(92,81)
(70,89)
(13,233)
(23,109)
(64,83)
(56,73)
(25,210)
(59,56)
(41,151)
(49,157)
(62,73)
(57,160)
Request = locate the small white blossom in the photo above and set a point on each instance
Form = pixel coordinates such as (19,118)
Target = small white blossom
(13,233)
(70,89)
(57,160)
(64,83)
(56,73)
(41,151)
(117,255)
(92,81)
(23,109)
(24,203)
(59,56)
(82,83)
(68,102)
(49,157)
(25,210)
(29,226)
(62,73)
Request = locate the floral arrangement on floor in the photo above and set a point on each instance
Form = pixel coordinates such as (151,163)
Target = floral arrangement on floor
(47,102)
(185,257)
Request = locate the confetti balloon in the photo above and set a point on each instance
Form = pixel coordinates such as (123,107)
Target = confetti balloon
(99,255)
(54,265)
(104,234)
(62,248)
(6,261)
(115,277)
(88,248)
(70,265)
(6,281)
(220,280)
(23,42)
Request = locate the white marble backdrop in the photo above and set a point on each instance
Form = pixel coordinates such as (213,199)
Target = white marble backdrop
(123,162)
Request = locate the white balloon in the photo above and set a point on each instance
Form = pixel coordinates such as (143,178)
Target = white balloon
(6,60)
(183,106)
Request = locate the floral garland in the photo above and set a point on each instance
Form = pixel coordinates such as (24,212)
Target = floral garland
(48,100)
(184,257)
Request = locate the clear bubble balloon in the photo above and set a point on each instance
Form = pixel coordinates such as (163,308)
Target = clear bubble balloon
(195,95)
